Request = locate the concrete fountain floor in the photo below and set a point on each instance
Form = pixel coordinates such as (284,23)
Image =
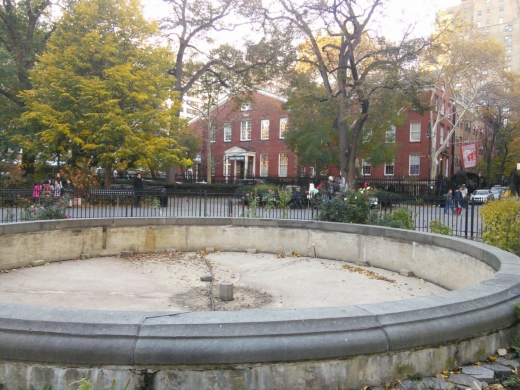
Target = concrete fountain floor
(171,282)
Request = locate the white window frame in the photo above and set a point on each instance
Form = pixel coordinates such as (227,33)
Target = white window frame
(415,131)
(508,38)
(387,168)
(264,129)
(414,158)
(212,134)
(227,166)
(283,164)
(283,127)
(264,165)
(246,106)
(509,27)
(245,130)
(390,134)
(312,171)
(302,171)
(366,168)
(228,132)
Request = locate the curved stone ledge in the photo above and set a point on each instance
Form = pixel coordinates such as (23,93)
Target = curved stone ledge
(463,323)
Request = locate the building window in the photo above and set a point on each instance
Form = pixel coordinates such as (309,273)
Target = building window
(509,27)
(479,14)
(227,166)
(212,133)
(312,172)
(415,160)
(264,129)
(389,169)
(508,49)
(365,170)
(486,31)
(282,165)
(442,134)
(227,132)
(390,135)
(500,20)
(509,38)
(264,165)
(246,106)
(501,10)
(415,132)
(245,131)
(302,171)
(508,58)
(283,127)
(479,24)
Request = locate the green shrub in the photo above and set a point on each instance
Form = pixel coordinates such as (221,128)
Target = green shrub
(502,224)
(439,228)
(400,218)
(350,206)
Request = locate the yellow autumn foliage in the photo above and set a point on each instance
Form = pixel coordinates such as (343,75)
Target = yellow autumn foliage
(502,224)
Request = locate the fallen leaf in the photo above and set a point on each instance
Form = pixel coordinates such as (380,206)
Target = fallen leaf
(492,358)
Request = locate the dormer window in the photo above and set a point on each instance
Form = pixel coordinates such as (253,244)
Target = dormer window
(246,106)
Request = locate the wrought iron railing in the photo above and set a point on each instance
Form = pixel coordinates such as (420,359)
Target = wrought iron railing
(125,202)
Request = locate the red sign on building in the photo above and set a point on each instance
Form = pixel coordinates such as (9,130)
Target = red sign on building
(469,155)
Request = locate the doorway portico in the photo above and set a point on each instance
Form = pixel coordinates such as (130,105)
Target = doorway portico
(239,163)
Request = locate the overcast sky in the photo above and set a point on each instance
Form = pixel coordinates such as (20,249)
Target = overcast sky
(398,14)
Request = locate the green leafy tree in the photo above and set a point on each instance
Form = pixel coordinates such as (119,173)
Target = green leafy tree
(25,27)
(101,90)
(311,133)
(353,63)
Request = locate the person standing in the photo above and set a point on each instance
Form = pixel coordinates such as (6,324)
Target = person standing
(458,201)
(330,188)
(68,189)
(57,191)
(138,189)
(37,191)
(449,202)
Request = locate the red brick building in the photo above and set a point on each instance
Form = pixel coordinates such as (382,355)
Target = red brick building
(413,160)
(248,141)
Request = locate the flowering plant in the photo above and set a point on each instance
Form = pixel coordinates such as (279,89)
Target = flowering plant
(49,208)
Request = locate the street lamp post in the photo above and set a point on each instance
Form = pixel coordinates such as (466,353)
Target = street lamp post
(197,161)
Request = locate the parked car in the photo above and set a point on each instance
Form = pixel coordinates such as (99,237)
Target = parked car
(481,196)
(497,193)
(250,182)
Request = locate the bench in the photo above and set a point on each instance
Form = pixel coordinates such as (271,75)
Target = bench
(124,193)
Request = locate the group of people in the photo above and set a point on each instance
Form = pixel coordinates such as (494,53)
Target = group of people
(54,187)
(456,201)
(335,186)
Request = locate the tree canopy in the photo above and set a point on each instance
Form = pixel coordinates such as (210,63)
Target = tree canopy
(25,27)
(354,64)
(101,91)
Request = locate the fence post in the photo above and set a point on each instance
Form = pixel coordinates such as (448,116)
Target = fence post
(472,217)
(205,203)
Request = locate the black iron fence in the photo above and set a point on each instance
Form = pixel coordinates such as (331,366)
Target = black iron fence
(18,205)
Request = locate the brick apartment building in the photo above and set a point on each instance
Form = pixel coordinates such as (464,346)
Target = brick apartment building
(248,142)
